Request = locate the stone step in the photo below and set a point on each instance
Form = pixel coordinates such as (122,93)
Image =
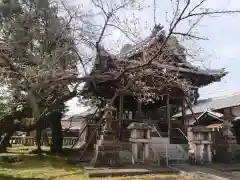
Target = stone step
(106,147)
(131,170)
(173,151)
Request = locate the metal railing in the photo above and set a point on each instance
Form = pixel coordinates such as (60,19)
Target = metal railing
(166,157)
(31,141)
(79,136)
(158,156)
(185,151)
(181,133)
(156,129)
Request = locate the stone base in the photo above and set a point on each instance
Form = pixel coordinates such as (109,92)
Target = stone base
(225,155)
(132,170)
(106,155)
(226,149)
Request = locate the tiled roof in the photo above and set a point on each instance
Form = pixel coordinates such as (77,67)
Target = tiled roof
(76,121)
(73,124)
(177,62)
(214,104)
(137,48)
(215,115)
(78,117)
(181,64)
(212,114)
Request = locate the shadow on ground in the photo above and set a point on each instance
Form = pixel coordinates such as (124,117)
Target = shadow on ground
(39,161)
(3,177)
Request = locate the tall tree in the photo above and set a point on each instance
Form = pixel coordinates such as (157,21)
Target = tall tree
(36,46)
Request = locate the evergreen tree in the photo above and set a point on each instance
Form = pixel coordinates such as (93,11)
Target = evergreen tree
(126,48)
(194,95)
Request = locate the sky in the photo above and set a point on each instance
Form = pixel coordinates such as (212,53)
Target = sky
(222,50)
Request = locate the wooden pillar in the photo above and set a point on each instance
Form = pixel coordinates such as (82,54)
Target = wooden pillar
(121,101)
(168,116)
(184,126)
(139,107)
(139,112)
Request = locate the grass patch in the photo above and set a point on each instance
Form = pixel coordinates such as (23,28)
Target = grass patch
(43,167)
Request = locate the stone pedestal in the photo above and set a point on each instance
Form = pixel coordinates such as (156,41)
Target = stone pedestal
(227,144)
(107,147)
(202,142)
(140,135)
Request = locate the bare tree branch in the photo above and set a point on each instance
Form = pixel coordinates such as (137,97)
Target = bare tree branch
(189,36)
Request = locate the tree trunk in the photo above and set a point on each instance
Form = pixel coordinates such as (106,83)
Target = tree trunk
(38,138)
(5,141)
(8,131)
(57,138)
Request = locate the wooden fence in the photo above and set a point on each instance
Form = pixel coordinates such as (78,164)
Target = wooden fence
(30,141)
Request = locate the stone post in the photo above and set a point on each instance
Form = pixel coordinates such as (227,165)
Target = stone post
(146,152)
(209,153)
(107,147)
(134,153)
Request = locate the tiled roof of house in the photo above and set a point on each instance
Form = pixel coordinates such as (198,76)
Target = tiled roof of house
(76,121)
(80,115)
(214,104)
(213,114)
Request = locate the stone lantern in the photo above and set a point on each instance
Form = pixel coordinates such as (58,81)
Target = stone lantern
(107,147)
(140,134)
(226,144)
(202,141)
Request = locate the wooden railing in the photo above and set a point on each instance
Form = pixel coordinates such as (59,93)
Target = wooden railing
(30,141)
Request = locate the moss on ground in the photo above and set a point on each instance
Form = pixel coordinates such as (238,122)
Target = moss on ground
(43,167)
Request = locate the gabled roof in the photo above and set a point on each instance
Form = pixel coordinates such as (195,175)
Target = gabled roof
(79,117)
(77,121)
(216,115)
(178,62)
(214,104)
(173,58)
(213,114)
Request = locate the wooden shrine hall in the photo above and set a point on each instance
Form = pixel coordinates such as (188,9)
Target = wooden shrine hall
(158,112)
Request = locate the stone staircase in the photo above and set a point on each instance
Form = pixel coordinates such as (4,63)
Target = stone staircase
(160,148)
(173,153)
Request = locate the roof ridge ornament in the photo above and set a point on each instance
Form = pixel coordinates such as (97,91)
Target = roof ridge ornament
(156,30)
